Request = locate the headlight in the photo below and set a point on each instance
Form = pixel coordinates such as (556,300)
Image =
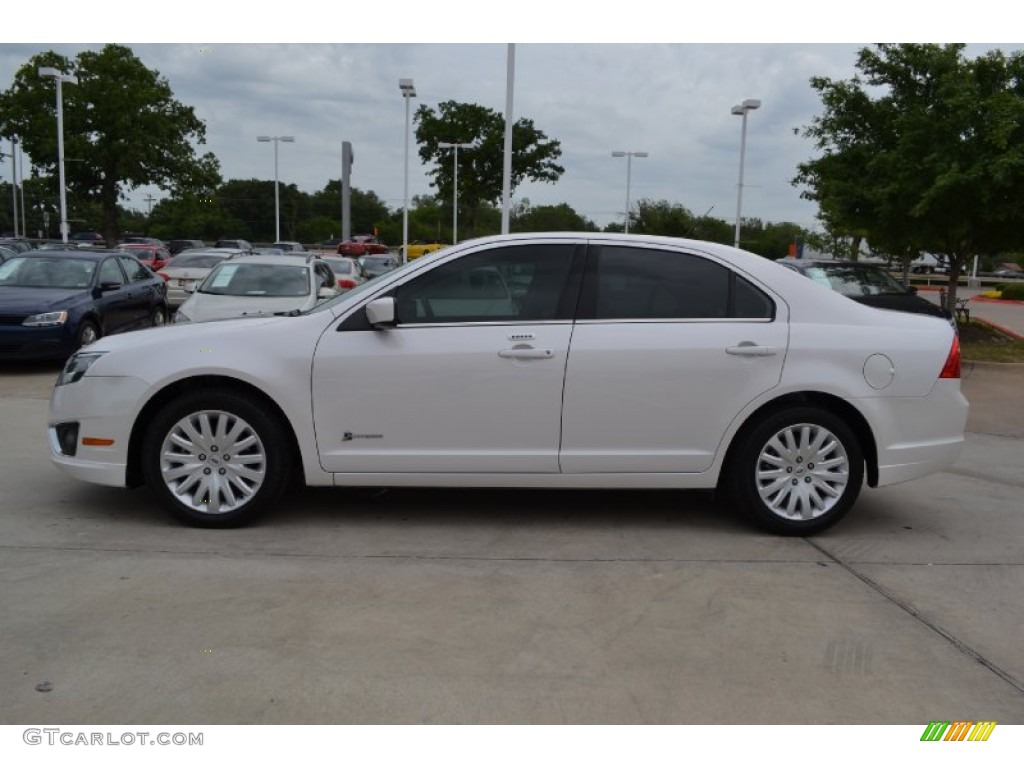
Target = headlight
(46,318)
(181,317)
(76,367)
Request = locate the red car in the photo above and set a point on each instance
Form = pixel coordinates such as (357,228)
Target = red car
(153,256)
(361,245)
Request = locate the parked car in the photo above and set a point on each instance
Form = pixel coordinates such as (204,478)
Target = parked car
(868,284)
(1012,274)
(53,303)
(88,240)
(348,272)
(419,248)
(177,246)
(625,361)
(259,285)
(139,240)
(379,264)
(361,245)
(6,253)
(189,268)
(238,245)
(153,256)
(17,244)
(265,251)
(289,246)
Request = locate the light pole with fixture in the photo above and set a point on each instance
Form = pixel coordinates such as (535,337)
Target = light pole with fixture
(408,90)
(455,204)
(629,172)
(749,105)
(277,197)
(61,78)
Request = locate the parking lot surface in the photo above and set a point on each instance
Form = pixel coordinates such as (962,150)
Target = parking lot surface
(447,606)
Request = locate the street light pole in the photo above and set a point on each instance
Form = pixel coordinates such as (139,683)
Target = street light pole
(629,172)
(14,180)
(455,203)
(277,197)
(60,78)
(749,105)
(405,85)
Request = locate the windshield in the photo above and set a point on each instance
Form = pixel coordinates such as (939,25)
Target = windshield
(857,280)
(340,266)
(241,279)
(40,272)
(375,261)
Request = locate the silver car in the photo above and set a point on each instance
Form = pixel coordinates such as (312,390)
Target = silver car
(259,285)
(189,268)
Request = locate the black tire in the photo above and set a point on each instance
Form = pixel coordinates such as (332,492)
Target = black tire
(88,332)
(158,318)
(247,471)
(791,492)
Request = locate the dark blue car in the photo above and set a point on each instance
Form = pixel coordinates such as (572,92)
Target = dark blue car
(53,302)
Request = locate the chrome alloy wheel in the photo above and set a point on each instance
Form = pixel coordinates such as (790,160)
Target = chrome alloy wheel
(802,472)
(212,461)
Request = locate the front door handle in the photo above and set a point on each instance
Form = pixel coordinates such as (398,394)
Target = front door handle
(526,353)
(750,349)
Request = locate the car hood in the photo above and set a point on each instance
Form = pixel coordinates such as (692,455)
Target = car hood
(201,307)
(15,300)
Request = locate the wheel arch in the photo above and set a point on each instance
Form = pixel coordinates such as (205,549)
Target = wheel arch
(134,478)
(831,403)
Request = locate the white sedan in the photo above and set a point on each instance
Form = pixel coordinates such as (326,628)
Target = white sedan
(543,361)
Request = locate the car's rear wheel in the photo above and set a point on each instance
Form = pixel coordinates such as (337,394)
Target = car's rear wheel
(798,471)
(216,459)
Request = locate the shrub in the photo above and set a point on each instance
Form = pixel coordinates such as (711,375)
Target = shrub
(1013,291)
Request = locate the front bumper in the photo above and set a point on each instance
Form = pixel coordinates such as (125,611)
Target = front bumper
(104,407)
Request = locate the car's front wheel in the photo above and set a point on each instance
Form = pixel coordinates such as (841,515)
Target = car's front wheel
(158,318)
(798,471)
(216,459)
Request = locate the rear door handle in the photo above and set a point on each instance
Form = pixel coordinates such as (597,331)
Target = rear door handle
(750,349)
(526,353)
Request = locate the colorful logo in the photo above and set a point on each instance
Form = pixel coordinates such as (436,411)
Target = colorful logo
(960,730)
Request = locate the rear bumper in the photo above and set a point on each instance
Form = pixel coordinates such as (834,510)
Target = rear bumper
(917,436)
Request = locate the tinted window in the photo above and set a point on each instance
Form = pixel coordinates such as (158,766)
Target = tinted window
(111,273)
(136,272)
(514,284)
(648,284)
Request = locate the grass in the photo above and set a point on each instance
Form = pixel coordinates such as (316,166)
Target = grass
(981,342)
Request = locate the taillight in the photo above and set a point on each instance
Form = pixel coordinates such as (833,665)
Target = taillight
(951,370)
(346,283)
(164,275)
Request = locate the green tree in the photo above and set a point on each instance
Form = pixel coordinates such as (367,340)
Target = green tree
(369,212)
(548,218)
(923,151)
(122,128)
(534,155)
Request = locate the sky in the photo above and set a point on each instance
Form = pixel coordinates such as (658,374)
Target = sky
(596,77)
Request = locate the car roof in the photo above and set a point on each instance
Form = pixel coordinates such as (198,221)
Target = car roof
(273,258)
(76,253)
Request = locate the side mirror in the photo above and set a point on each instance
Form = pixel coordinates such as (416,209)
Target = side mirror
(110,285)
(381,312)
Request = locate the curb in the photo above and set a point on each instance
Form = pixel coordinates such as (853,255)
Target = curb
(1012,334)
(985,300)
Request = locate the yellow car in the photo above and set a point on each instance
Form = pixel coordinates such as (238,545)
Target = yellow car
(419,248)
